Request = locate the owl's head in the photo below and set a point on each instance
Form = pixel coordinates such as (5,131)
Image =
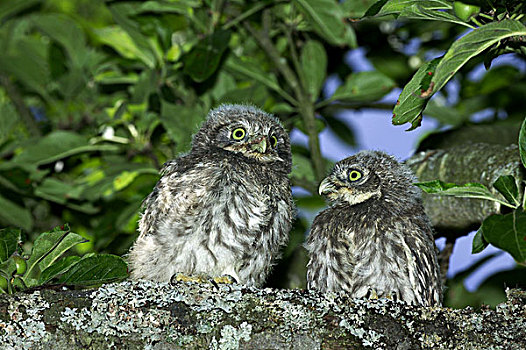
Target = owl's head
(368,176)
(246,131)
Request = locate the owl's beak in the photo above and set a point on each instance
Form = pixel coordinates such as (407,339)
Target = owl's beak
(259,144)
(326,187)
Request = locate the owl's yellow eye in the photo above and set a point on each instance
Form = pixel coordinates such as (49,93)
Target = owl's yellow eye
(273,141)
(355,175)
(238,134)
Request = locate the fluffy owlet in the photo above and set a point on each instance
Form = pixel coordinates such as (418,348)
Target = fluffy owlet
(225,208)
(374,239)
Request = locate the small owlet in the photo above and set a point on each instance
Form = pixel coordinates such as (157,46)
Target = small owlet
(375,239)
(225,208)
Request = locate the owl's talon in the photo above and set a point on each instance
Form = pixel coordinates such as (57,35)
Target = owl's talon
(202,278)
(181,277)
(225,279)
(371,294)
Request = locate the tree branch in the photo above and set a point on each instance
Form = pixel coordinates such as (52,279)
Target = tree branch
(478,162)
(138,315)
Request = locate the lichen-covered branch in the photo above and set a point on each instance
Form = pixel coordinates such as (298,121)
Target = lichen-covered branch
(479,162)
(138,315)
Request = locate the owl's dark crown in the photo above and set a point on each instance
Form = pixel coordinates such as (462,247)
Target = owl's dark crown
(246,131)
(368,175)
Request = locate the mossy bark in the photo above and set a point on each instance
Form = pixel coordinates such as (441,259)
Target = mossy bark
(139,315)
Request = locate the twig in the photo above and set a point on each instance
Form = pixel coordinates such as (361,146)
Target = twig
(304,183)
(443,259)
(327,105)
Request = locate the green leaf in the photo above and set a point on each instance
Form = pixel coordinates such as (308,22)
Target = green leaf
(112,77)
(179,6)
(364,86)
(507,232)
(204,58)
(48,247)
(395,7)
(12,7)
(181,123)
(122,42)
(471,45)
(421,12)
(148,46)
(341,130)
(58,191)
(28,63)
(412,99)
(479,243)
(461,51)
(255,93)
(57,145)
(328,20)
(310,202)
(253,71)
(124,180)
(507,186)
(302,168)
(8,268)
(9,239)
(522,142)
(8,121)
(313,67)
(96,269)
(469,190)
(57,268)
(65,31)
(439,110)
(15,215)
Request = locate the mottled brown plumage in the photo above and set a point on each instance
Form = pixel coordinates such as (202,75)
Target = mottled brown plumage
(375,239)
(225,208)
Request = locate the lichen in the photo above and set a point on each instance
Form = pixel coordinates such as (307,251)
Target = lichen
(231,337)
(139,315)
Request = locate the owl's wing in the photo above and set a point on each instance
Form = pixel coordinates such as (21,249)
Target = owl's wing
(178,191)
(413,251)
(326,250)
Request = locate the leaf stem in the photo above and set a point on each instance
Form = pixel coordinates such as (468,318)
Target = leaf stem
(474,20)
(259,6)
(483,15)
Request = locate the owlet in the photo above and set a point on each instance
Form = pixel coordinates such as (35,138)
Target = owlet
(375,238)
(225,208)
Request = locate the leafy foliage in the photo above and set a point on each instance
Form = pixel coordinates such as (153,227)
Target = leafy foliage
(42,265)
(96,96)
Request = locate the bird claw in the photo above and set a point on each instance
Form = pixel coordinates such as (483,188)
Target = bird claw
(225,279)
(202,278)
(181,277)
(371,294)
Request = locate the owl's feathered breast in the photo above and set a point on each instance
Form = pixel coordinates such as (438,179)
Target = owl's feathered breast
(363,247)
(218,213)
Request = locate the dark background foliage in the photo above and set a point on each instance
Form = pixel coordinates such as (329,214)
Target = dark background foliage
(95,96)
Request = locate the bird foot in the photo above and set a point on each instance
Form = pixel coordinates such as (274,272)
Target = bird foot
(372,294)
(225,279)
(202,278)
